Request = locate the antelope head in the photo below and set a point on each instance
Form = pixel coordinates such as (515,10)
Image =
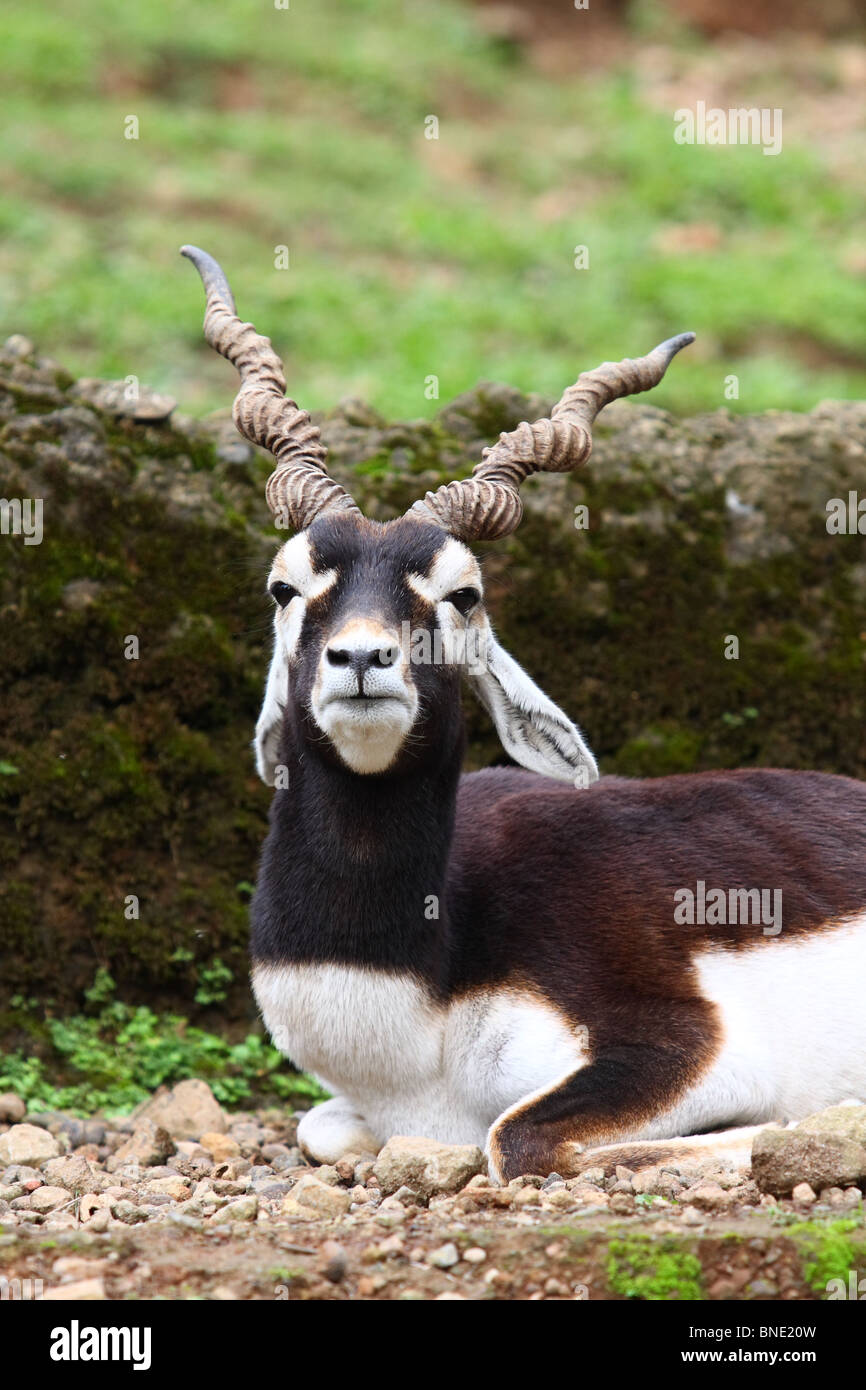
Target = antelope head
(354,598)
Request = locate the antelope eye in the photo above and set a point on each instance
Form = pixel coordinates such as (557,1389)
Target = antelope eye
(464,600)
(282,593)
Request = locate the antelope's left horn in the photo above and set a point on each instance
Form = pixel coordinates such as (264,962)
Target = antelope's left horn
(487,505)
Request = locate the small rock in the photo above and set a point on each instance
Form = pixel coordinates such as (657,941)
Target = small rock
(189,1110)
(148,1146)
(27,1144)
(190,1150)
(622,1204)
(690,1216)
(19,346)
(555,1288)
(558,1198)
(427,1166)
(370,1284)
(90,1203)
(345,1167)
(75,1174)
(763,1288)
(406,1196)
(310,1199)
(804,1195)
(445,1257)
(242,1209)
(221,1147)
(708,1196)
(835,1157)
(332,1261)
(130,1213)
(175,1187)
(527,1197)
(552,1180)
(249,1135)
(45,1199)
(850,1197)
(594,1176)
(657,1183)
(12,1108)
(589,1197)
(326,1172)
(475,1255)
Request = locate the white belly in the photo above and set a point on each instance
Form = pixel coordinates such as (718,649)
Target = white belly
(793,1015)
(407,1064)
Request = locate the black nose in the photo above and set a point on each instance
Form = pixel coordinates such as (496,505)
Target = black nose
(363,659)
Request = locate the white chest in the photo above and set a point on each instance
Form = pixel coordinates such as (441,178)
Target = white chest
(411,1065)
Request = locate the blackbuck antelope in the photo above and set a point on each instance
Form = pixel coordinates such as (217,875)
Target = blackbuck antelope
(561,968)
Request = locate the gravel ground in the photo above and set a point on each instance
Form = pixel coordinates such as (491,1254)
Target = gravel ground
(139,1209)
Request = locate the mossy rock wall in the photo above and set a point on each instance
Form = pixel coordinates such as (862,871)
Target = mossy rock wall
(128,777)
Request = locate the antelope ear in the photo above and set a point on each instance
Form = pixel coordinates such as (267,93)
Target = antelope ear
(270,721)
(533,730)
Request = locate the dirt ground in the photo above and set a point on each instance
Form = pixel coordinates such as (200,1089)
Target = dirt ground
(501,1257)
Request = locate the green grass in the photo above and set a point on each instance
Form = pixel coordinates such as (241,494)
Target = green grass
(828,1252)
(115,1055)
(408,258)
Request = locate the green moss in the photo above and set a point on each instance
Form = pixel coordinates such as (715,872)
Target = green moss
(828,1251)
(658,1270)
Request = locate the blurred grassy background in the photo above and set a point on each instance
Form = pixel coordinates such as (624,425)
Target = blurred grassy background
(409,257)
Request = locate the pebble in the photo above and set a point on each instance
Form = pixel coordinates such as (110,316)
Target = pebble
(243,1209)
(45,1199)
(75,1174)
(690,1216)
(310,1199)
(709,1196)
(622,1204)
(12,1108)
(189,1110)
(27,1144)
(222,1148)
(445,1257)
(332,1261)
(149,1145)
(426,1166)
